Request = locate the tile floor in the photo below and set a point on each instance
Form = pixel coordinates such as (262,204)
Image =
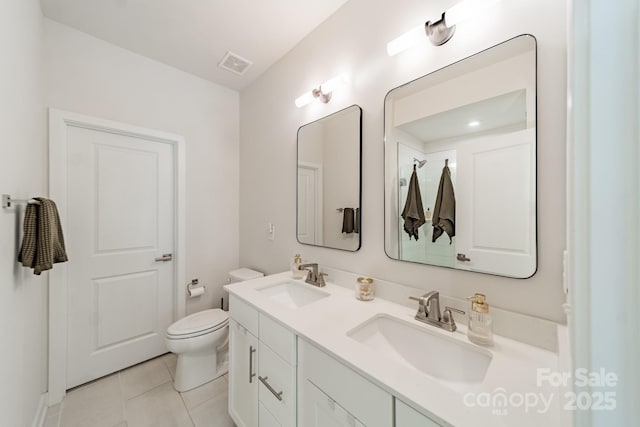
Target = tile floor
(142,396)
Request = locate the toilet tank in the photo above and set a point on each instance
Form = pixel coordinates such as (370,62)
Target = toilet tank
(242,274)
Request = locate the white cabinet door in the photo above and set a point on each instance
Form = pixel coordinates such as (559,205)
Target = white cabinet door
(496,204)
(266,418)
(322,411)
(368,403)
(243,378)
(406,416)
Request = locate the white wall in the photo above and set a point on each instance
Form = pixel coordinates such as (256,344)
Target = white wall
(23,296)
(353,40)
(89,76)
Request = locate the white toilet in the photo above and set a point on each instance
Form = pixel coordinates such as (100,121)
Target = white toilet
(201,342)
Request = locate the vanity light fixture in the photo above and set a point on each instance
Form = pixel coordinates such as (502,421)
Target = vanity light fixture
(439,32)
(323,92)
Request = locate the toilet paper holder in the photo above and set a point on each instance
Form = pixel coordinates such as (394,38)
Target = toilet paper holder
(192,286)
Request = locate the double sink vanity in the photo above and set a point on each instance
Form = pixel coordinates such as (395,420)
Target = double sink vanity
(307,356)
(318,357)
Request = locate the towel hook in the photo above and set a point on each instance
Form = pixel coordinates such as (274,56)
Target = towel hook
(446,162)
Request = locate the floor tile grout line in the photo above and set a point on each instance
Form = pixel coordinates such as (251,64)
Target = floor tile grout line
(122,399)
(220,378)
(185,407)
(145,391)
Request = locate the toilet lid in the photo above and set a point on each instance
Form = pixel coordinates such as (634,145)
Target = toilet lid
(197,323)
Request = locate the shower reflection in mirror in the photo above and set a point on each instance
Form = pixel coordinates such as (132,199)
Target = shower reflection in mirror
(460,164)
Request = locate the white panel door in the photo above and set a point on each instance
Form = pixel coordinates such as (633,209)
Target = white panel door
(496,204)
(120,220)
(310,204)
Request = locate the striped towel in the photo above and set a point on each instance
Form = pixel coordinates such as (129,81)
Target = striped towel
(43,242)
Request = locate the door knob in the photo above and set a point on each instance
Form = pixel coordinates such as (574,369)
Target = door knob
(164,258)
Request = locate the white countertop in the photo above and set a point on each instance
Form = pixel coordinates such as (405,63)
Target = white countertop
(512,373)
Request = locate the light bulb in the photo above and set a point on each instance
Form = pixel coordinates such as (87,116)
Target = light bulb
(406,40)
(333,84)
(305,99)
(463,10)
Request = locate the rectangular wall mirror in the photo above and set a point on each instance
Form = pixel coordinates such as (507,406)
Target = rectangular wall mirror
(469,133)
(329,181)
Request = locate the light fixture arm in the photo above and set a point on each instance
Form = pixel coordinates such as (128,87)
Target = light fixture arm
(320,95)
(438,32)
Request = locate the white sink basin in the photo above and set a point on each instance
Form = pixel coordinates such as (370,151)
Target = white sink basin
(292,294)
(454,362)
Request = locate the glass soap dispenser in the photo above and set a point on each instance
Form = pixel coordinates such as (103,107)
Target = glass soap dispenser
(480,329)
(295,272)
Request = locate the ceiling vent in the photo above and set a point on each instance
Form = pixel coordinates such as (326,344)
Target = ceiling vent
(234,63)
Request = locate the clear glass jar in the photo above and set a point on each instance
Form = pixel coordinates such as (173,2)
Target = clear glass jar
(480,330)
(364,289)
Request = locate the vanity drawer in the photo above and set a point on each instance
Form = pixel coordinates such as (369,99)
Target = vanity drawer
(280,339)
(365,400)
(324,411)
(276,373)
(406,416)
(244,314)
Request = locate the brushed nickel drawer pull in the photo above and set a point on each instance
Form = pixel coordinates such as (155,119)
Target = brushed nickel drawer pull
(251,373)
(278,395)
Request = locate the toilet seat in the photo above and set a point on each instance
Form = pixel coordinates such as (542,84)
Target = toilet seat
(197,324)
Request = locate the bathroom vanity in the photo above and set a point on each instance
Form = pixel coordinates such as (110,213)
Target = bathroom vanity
(307,356)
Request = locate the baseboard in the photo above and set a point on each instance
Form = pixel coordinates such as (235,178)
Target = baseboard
(41,412)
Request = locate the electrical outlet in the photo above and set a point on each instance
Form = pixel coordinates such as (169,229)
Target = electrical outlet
(271,232)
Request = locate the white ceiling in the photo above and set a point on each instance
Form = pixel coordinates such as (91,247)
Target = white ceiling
(502,111)
(194,35)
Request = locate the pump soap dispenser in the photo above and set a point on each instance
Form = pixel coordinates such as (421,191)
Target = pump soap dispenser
(480,323)
(295,272)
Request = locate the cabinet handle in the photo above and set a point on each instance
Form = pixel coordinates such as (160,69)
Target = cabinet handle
(251,373)
(277,394)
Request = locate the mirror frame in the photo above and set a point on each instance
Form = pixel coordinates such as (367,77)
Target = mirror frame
(359,176)
(384,159)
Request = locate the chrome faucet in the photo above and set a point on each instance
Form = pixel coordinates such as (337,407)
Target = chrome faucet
(429,311)
(313,277)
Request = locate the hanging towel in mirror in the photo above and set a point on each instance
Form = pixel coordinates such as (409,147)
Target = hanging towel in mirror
(43,242)
(444,212)
(356,225)
(348,220)
(413,213)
